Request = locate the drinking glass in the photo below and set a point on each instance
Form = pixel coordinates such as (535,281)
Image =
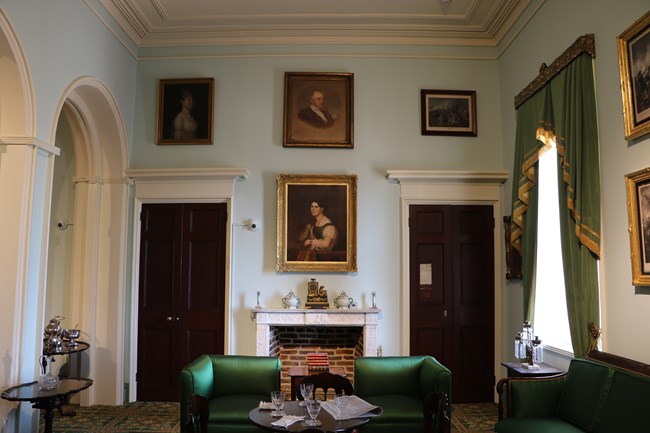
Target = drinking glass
(277,398)
(313,408)
(306,389)
(339,401)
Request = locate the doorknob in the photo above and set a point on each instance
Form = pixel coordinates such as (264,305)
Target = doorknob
(169,318)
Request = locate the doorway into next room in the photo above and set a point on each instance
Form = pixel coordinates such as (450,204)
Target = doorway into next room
(181,292)
(451,249)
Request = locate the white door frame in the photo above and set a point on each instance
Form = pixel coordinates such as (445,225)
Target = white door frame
(420,187)
(203,185)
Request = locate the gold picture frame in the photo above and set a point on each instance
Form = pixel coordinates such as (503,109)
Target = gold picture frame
(633,44)
(317,223)
(185,111)
(318,109)
(638,211)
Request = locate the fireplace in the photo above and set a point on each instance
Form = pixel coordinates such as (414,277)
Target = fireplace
(291,334)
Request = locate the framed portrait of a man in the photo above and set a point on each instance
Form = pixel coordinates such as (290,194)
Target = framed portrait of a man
(638,202)
(316,228)
(185,111)
(318,109)
(633,49)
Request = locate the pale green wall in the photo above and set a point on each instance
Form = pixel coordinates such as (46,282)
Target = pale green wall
(248,133)
(59,259)
(65,40)
(554,28)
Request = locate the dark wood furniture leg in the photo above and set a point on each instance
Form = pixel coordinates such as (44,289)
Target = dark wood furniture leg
(198,419)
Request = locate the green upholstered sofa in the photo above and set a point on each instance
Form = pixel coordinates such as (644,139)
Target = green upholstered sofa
(603,393)
(413,392)
(230,386)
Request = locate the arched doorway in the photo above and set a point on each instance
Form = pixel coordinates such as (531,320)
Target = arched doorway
(94,265)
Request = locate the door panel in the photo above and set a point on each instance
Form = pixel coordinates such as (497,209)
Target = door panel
(182,286)
(430,287)
(452,261)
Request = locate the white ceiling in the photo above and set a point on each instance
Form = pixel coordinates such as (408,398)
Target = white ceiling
(153,23)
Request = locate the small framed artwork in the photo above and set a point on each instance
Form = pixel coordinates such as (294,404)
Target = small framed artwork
(633,48)
(185,111)
(448,112)
(318,109)
(638,211)
(317,223)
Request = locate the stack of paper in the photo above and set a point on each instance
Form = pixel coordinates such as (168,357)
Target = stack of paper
(353,407)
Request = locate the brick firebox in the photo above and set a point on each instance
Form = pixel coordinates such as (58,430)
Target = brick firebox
(291,334)
(293,343)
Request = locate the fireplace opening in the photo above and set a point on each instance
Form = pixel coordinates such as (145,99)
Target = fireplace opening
(292,344)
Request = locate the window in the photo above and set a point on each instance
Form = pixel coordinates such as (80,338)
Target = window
(551,322)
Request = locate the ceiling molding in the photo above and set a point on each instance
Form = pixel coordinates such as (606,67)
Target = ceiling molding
(167,23)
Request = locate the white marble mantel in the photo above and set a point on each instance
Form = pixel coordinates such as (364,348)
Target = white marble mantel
(366,318)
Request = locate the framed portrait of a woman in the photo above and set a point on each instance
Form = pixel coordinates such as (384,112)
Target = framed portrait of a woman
(185,111)
(316,227)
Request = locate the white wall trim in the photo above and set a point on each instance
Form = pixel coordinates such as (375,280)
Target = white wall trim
(30,141)
(200,185)
(451,187)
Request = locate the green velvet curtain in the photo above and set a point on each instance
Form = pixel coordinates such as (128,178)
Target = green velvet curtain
(564,111)
(524,193)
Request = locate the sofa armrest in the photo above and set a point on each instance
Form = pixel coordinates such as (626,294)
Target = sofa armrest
(197,378)
(530,396)
(435,377)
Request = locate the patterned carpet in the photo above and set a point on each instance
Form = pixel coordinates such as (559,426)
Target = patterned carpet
(129,418)
(474,417)
(150,417)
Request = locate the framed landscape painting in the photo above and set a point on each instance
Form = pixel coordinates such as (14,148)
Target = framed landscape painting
(448,112)
(316,226)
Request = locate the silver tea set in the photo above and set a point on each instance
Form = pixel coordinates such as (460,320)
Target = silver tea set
(55,338)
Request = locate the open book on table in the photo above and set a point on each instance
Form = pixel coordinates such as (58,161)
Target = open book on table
(354,407)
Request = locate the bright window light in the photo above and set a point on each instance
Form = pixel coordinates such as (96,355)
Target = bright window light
(551,322)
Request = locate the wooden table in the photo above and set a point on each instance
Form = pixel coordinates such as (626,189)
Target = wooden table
(516,370)
(296,374)
(263,418)
(47,399)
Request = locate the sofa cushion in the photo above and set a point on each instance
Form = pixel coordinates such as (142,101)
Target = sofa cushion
(535,425)
(626,407)
(397,408)
(583,392)
(233,409)
(244,375)
(388,375)
(536,398)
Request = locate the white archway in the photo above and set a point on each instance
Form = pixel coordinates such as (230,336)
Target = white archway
(98,269)
(25,169)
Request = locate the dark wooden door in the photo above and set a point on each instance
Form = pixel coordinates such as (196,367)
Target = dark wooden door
(181,292)
(452,293)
